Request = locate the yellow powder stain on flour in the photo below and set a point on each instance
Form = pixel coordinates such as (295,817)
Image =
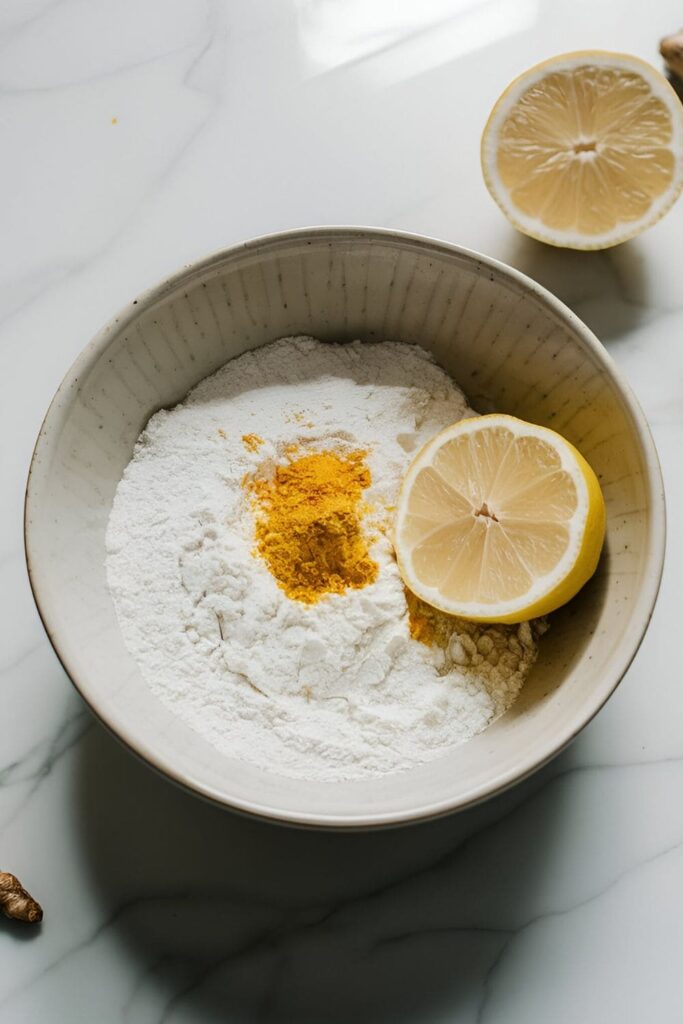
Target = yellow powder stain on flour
(300,418)
(479,646)
(309,525)
(252,442)
(426,624)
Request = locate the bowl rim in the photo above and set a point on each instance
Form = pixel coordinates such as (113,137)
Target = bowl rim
(547,750)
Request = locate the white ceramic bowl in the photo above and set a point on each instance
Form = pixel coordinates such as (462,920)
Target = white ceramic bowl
(512,347)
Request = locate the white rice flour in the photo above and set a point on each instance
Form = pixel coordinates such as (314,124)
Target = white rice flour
(328,691)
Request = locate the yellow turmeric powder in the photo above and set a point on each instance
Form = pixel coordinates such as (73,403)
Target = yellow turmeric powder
(308,527)
(427,624)
(252,442)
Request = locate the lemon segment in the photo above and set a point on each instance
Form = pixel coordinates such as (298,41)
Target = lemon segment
(585,150)
(498,520)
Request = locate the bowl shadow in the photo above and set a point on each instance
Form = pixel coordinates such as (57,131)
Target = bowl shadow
(608,289)
(228,918)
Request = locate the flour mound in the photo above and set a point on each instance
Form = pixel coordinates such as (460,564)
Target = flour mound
(333,690)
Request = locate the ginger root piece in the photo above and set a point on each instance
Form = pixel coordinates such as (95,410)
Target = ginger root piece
(671,49)
(15,902)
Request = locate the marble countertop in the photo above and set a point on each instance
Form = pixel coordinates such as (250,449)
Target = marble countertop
(138,135)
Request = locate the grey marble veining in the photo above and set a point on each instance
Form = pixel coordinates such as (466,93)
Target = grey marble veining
(560,900)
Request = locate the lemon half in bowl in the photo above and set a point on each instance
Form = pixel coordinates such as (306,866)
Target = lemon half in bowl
(498,520)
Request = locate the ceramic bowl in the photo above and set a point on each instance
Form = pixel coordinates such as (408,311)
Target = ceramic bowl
(510,344)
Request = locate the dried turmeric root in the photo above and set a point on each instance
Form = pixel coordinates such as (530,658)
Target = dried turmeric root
(671,50)
(15,902)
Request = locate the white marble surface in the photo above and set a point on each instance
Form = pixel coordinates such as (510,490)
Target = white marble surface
(561,901)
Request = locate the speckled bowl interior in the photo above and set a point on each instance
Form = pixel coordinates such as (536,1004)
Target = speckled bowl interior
(511,346)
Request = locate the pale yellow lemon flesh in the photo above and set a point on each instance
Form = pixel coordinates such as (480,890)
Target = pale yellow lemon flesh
(498,520)
(585,150)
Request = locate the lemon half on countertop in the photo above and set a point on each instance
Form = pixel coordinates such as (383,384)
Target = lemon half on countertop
(585,150)
(498,520)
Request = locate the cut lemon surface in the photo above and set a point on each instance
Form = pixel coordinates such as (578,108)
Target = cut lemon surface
(585,150)
(498,520)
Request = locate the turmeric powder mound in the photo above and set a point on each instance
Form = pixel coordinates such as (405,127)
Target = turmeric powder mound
(308,527)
